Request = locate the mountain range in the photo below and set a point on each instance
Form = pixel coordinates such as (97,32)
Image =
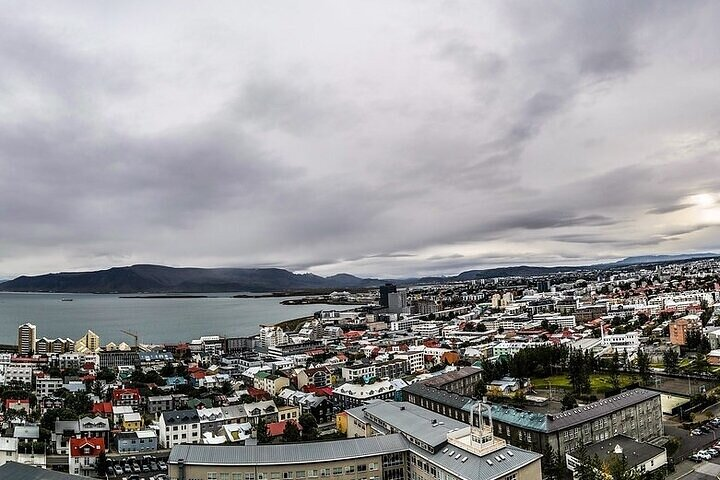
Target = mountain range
(163,279)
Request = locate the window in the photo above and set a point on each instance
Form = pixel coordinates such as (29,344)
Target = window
(362,468)
(262,476)
(212,476)
(324,472)
(249,476)
(224,476)
(337,471)
(275,476)
(373,466)
(349,469)
(300,474)
(287,475)
(312,473)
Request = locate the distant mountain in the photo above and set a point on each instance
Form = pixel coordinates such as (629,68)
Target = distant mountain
(161,279)
(665,258)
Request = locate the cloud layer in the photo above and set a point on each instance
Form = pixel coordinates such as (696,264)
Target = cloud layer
(377,138)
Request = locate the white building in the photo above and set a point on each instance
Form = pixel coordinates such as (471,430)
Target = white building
(178,427)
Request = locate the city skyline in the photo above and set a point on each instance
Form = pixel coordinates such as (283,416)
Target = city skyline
(382,140)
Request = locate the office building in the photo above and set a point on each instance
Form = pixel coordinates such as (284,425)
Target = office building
(385,290)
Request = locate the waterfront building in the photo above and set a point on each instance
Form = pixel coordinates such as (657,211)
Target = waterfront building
(27,335)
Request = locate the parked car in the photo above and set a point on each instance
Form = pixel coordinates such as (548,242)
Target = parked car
(153,465)
(162,465)
(695,432)
(127,468)
(713,453)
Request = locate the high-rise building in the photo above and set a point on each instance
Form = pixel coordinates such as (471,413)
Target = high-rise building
(397,302)
(384,291)
(27,333)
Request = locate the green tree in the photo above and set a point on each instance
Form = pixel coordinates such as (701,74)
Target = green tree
(106,374)
(671,360)
(309,426)
(78,402)
(643,364)
(102,464)
(227,388)
(619,468)
(569,402)
(262,433)
(614,371)
(480,389)
(291,433)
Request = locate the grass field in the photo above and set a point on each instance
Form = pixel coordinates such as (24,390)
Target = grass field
(599,383)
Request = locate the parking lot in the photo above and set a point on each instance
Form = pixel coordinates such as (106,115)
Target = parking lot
(147,467)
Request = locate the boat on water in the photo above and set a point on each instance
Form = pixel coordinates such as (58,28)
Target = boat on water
(66,300)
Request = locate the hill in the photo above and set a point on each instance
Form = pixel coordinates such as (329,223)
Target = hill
(162,279)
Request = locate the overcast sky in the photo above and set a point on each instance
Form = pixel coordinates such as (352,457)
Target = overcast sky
(379,138)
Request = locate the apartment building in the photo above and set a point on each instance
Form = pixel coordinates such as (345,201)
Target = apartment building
(178,427)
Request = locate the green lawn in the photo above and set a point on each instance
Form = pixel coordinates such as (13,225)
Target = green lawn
(599,383)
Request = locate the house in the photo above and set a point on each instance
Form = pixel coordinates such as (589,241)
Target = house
(210,419)
(126,397)
(276,429)
(237,432)
(131,422)
(104,409)
(137,441)
(61,435)
(265,410)
(83,455)
(178,427)
(95,427)
(20,405)
(317,377)
(270,382)
(504,386)
(159,403)
(640,457)
(288,412)
(8,450)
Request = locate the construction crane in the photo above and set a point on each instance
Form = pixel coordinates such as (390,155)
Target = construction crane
(132,334)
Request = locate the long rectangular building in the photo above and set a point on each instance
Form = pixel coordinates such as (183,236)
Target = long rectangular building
(636,413)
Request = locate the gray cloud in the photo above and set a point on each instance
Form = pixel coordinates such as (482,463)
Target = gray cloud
(325,141)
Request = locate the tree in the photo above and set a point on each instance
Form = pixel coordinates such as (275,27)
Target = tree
(643,364)
(569,402)
(102,464)
(619,469)
(552,466)
(309,426)
(78,402)
(262,433)
(613,370)
(671,360)
(107,375)
(480,389)
(291,433)
(588,468)
(227,388)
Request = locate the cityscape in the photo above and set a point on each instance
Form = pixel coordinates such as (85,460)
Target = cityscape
(549,376)
(360,240)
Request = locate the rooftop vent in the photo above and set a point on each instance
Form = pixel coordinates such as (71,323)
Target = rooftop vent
(509,453)
(489,462)
(464,459)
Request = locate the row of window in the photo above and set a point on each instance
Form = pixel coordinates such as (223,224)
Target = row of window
(297,475)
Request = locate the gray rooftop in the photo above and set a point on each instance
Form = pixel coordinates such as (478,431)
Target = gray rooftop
(18,471)
(410,419)
(636,452)
(179,417)
(287,454)
(477,467)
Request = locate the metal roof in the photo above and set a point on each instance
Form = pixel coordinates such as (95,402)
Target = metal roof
(299,453)
(429,427)
(19,471)
(637,453)
(488,467)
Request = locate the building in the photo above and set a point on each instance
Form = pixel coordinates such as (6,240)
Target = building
(27,335)
(636,413)
(137,442)
(272,336)
(386,290)
(460,381)
(128,397)
(20,373)
(83,455)
(8,450)
(351,395)
(160,403)
(270,382)
(398,302)
(118,358)
(88,343)
(178,427)
(404,442)
(640,457)
(679,329)
(46,346)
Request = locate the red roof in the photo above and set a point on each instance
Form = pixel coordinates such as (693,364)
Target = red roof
(103,408)
(9,402)
(276,429)
(86,447)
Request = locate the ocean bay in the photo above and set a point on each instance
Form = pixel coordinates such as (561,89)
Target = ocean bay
(156,320)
